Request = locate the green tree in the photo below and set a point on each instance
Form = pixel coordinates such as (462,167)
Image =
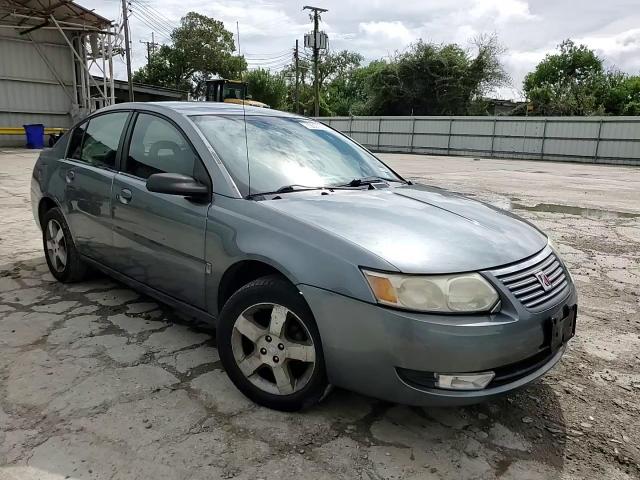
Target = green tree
(201,48)
(267,87)
(567,82)
(431,79)
(619,94)
(335,75)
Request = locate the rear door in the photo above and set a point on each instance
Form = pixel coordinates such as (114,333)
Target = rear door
(160,238)
(89,170)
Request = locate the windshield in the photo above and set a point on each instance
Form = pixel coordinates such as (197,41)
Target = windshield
(286,151)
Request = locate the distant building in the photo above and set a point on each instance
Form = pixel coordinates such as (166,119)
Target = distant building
(499,107)
(47,49)
(145,93)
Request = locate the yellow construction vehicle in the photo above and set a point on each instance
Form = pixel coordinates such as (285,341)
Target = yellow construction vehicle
(230,91)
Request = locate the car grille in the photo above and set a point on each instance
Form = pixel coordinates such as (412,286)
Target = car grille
(521,279)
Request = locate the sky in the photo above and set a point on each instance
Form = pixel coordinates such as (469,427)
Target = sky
(376,29)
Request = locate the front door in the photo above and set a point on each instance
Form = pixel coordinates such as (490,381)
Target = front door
(88,171)
(159,238)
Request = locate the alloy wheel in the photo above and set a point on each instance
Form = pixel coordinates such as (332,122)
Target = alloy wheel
(56,245)
(273,349)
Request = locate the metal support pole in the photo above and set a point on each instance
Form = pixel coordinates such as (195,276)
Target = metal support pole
(87,72)
(112,86)
(351,126)
(493,135)
(544,137)
(103,38)
(379,129)
(297,91)
(524,137)
(316,56)
(75,81)
(449,137)
(83,78)
(80,60)
(595,154)
(413,134)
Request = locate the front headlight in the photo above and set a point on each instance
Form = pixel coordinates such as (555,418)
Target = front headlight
(458,293)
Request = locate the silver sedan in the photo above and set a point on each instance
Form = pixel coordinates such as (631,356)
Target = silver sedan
(318,264)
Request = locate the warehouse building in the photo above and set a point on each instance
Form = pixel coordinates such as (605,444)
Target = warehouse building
(47,50)
(56,66)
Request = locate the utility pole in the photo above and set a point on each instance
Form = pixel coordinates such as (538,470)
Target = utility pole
(296,56)
(151,49)
(316,53)
(238,32)
(127,48)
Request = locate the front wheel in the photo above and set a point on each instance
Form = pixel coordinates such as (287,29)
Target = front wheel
(59,249)
(270,346)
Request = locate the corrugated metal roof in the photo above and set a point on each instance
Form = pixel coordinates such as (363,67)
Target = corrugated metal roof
(32,13)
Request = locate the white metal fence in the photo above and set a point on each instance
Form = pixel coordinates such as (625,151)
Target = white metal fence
(613,140)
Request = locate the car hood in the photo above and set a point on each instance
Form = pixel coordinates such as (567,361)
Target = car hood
(418,229)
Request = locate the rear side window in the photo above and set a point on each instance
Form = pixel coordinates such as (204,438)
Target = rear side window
(75,142)
(96,141)
(158,147)
(101,139)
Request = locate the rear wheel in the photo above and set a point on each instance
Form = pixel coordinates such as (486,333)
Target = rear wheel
(270,346)
(59,249)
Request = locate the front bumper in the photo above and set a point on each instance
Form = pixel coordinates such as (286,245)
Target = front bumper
(364,346)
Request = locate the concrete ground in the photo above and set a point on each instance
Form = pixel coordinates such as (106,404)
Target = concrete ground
(100,382)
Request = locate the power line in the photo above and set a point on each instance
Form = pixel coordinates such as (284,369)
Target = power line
(272,62)
(159,16)
(157,12)
(150,21)
(152,16)
(167,27)
(270,55)
(151,26)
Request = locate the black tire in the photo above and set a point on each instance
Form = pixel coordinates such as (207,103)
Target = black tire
(75,269)
(271,289)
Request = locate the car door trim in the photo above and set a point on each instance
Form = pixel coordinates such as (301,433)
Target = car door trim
(153,292)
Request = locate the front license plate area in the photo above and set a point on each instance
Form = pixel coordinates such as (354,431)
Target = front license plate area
(562,328)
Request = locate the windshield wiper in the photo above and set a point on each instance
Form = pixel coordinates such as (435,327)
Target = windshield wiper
(297,188)
(358,182)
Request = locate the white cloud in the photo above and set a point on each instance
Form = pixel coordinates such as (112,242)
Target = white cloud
(620,50)
(395,31)
(502,10)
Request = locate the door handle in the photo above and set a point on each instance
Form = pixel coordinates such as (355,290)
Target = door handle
(124,196)
(70,176)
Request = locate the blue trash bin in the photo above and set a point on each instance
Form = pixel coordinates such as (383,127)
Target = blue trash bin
(35,135)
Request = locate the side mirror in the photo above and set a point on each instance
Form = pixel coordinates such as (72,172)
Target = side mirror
(176,184)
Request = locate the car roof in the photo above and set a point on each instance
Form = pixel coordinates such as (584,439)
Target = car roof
(205,108)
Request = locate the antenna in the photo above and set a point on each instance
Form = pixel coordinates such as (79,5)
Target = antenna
(246,138)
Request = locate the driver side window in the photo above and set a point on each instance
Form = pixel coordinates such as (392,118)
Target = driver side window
(158,147)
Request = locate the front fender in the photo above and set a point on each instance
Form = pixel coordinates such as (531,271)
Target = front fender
(239,229)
